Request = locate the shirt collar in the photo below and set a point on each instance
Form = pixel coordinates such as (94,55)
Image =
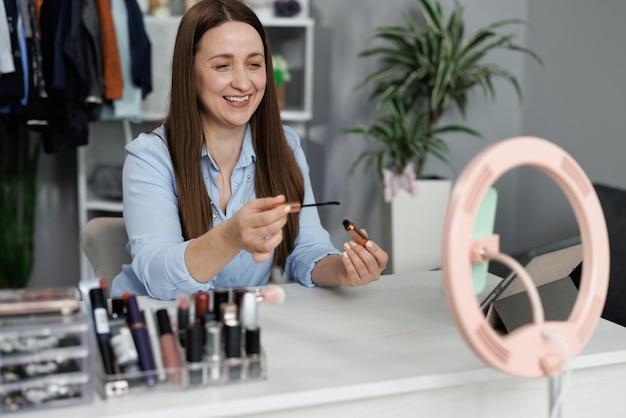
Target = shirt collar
(247,156)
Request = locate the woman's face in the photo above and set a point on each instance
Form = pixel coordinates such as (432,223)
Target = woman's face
(230,74)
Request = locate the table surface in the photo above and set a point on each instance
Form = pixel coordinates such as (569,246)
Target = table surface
(329,345)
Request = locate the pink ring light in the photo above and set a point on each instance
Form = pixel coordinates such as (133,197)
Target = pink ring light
(525,352)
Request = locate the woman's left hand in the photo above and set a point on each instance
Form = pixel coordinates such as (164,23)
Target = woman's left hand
(363,264)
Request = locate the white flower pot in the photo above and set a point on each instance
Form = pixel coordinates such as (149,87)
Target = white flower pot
(414,225)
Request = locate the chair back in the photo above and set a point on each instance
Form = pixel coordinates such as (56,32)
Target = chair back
(104,241)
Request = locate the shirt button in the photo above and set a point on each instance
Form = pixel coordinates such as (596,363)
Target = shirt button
(232,280)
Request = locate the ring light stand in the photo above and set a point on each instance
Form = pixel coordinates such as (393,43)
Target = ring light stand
(531,350)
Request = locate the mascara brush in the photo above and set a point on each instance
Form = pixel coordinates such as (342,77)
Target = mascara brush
(296,206)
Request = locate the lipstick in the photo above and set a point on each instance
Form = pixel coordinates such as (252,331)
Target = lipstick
(183,320)
(213,332)
(193,354)
(219,296)
(102,328)
(167,342)
(201,305)
(233,365)
(142,340)
(253,352)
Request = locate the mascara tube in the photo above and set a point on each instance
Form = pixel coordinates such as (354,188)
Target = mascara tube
(125,351)
(102,328)
(142,340)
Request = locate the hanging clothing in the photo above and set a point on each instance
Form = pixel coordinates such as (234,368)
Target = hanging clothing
(93,55)
(12,83)
(113,81)
(6,57)
(140,49)
(66,76)
(129,106)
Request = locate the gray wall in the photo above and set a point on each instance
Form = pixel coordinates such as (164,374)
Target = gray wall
(576,100)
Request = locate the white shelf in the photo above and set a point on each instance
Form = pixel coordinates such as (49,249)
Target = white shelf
(291,37)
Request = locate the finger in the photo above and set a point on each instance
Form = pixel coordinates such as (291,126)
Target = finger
(379,254)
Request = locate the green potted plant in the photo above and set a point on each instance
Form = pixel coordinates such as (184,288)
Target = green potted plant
(425,68)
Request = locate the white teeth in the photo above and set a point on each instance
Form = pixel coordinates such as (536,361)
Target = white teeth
(236,99)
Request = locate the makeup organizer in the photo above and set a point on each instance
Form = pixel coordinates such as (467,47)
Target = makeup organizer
(46,350)
(201,340)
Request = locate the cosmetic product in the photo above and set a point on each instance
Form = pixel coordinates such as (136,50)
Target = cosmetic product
(228,312)
(233,365)
(118,308)
(219,296)
(249,322)
(239,294)
(182,320)
(213,332)
(171,360)
(253,352)
(193,354)
(354,232)
(125,351)
(141,339)
(296,206)
(201,305)
(248,312)
(271,294)
(101,326)
(155,345)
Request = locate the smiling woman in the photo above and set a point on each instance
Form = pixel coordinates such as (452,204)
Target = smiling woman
(206,194)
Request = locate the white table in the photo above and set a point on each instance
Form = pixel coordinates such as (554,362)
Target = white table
(390,349)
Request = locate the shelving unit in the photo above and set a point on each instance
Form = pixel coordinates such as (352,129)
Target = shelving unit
(291,37)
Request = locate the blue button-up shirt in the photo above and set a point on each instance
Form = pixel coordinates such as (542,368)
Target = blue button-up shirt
(156,243)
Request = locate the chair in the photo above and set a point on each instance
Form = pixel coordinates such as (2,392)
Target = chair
(104,242)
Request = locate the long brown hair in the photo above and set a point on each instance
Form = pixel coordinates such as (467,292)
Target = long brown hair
(277,171)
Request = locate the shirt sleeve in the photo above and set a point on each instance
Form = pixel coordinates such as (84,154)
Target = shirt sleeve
(151,216)
(313,240)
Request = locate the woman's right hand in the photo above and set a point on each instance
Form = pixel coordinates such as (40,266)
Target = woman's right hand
(258,226)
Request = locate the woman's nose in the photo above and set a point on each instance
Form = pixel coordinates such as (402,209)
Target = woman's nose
(241,79)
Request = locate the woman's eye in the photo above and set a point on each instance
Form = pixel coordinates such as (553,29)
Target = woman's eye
(222,66)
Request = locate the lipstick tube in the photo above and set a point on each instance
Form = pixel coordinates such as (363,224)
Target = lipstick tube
(201,305)
(213,332)
(253,352)
(171,360)
(142,340)
(233,365)
(182,320)
(193,354)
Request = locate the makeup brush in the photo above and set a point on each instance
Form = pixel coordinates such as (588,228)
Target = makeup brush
(296,206)
(271,294)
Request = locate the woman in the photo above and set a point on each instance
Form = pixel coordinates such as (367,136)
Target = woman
(205,194)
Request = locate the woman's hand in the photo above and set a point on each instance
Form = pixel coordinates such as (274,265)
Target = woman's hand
(358,265)
(258,226)
(363,264)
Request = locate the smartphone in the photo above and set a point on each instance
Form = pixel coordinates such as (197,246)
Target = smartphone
(354,232)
